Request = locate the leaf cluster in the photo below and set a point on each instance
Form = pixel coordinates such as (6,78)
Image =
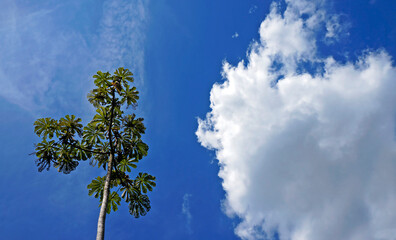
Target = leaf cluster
(133,191)
(59,145)
(111,132)
(119,81)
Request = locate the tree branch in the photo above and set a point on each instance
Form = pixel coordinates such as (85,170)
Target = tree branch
(91,151)
(74,145)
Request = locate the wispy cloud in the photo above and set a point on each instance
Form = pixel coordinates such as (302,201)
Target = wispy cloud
(336,29)
(235,35)
(307,153)
(46,59)
(122,35)
(252,9)
(27,57)
(186,211)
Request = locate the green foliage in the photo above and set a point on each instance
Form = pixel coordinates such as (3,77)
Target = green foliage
(139,205)
(113,202)
(145,182)
(125,165)
(66,142)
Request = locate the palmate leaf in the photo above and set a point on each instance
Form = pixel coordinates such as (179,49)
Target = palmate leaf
(102,117)
(133,127)
(66,165)
(139,205)
(124,75)
(79,152)
(125,165)
(134,148)
(113,202)
(102,80)
(128,191)
(141,149)
(144,182)
(71,124)
(65,160)
(130,96)
(98,97)
(45,154)
(96,187)
(45,127)
(93,134)
(100,159)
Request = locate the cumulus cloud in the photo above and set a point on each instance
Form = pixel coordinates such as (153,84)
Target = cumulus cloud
(305,154)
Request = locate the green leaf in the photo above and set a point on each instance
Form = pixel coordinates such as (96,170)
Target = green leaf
(144,182)
(80,153)
(139,205)
(45,153)
(99,96)
(130,96)
(113,202)
(133,127)
(69,126)
(65,161)
(125,165)
(45,127)
(125,75)
(102,80)
(100,159)
(96,186)
(93,134)
(142,148)
(102,116)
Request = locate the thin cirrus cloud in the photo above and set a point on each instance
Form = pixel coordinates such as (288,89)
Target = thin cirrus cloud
(305,154)
(42,44)
(186,211)
(123,34)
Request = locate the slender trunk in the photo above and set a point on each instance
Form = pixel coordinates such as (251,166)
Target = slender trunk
(103,208)
(106,188)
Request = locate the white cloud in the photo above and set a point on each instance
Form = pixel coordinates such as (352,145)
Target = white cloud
(336,28)
(186,211)
(252,9)
(235,35)
(332,27)
(123,34)
(308,155)
(27,59)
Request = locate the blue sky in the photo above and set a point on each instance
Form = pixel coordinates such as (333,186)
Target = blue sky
(257,115)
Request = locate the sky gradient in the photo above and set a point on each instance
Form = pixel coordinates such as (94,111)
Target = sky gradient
(265,120)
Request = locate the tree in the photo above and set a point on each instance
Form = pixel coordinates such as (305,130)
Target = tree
(111,140)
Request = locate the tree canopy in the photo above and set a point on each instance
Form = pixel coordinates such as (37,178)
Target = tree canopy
(112,140)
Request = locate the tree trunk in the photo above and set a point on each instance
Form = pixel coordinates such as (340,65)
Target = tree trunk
(106,188)
(103,208)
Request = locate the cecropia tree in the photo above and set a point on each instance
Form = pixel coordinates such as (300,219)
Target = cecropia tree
(111,140)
